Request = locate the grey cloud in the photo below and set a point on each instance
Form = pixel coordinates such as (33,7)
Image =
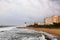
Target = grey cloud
(19,11)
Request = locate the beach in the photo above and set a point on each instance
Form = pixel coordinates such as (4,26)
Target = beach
(53,31)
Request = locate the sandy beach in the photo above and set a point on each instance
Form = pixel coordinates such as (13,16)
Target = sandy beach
(52,31)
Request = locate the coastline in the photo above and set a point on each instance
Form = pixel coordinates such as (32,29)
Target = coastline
(51,31)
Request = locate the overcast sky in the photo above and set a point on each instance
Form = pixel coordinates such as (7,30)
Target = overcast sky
(19,11)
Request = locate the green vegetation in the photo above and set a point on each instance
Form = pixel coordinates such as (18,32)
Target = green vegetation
(46,26)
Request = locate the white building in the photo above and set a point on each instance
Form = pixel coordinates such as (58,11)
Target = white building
(48,20)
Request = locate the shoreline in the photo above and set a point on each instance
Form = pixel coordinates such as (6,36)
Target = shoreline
(48,30)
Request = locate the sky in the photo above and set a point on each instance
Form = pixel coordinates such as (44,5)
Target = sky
(16,12)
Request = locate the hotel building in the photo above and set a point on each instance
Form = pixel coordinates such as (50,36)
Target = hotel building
(52,19)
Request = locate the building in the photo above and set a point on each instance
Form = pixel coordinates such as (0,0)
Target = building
(38,23)
(59,19)
(41,23)
(48,20)
(35,23)
(55,19)
(52,19)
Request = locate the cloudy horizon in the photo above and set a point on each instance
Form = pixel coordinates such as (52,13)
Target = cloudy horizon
(19,11)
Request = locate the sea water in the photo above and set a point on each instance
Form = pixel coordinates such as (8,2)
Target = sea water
(21,34)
